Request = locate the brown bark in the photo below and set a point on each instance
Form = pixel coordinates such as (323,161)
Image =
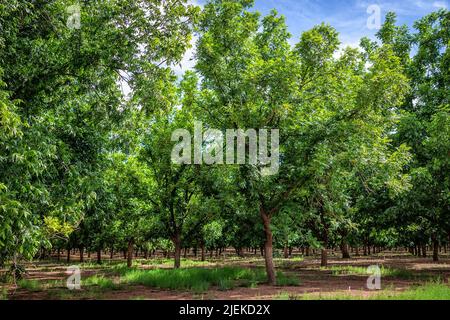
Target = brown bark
(68,255)
(268,248)
(177,256)
(99,256)
(203,251)
(344,249)
(130,253)
(435,248)
(81,254)
(324,257)
(286,252)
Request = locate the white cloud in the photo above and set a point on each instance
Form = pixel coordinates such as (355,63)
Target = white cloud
(440,4)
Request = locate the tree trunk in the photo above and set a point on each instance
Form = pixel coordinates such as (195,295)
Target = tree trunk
(130,253)
(435,248)
(68,255)
(111,253)
(203,251)
(286,252)
(324,258)
(81,255)
(268,248)
(424,251)
(59,254)
(177,243)
(344,249)
(99,256)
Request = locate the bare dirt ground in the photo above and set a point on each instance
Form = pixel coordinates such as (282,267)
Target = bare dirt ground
(313,280)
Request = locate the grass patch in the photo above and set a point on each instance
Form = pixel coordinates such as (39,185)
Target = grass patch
(286,296)
(30,285)
(4,294)
(293,259)
(225,284)
(286,281)
(386,272)
(101,282)
(201,279)
(65,294)
(431,291)
(138,298)
(185,263)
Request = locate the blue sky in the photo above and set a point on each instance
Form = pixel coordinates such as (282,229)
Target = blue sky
(349,17)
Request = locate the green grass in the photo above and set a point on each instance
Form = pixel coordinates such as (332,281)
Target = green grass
(200,280)
(286,281)
(65,294)
(138,298)
(101,282)
(30,285)
(225,284)
(293,259)
(4,294)
(386,272)
(430,291)
(286,296)
(165,262)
